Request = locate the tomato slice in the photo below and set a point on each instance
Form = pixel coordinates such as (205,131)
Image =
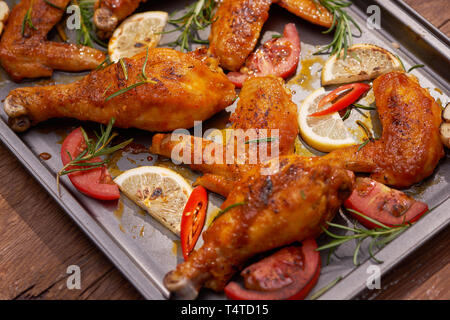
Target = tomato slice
(341,98)
(95,183)
(288,274)
(193,219)
(277,57)
(383,204)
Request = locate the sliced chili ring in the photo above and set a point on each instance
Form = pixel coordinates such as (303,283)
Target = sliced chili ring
(341,98)
(193,220)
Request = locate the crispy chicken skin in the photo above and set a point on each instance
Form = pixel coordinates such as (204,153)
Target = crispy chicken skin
(32,55)
(279,209)
(236,30)
(188,87)
(238,25)
(108,14)
(409,148)
(264,103)
(309,10)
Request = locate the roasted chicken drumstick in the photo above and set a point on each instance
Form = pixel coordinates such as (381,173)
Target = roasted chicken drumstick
(25,51)
(181,88)
(264,103)
(275,210)
(410,147)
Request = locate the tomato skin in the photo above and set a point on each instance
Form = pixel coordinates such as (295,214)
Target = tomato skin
(302,279)
(271,59)
(95,183)
(383,204)
(193,220)
(357,90)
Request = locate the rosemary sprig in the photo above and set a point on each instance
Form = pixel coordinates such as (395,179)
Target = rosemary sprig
(27,21)
(142,75)
(341,26)
(86,34)
(199,15)
(380,236)
(93,150)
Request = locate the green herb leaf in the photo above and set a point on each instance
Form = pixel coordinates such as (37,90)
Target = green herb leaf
(415,67)
(199,15)
(92,150)
(341,25)
(326,288)
(51,4)
(221,212)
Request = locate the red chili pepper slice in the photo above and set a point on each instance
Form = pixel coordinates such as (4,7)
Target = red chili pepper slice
(193,220)
(339,100)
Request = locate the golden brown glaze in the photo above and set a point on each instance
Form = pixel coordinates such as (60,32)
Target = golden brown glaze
(236,30)
(187,88)
(108,13)
(309,10)
(32,55)
(264,103)
(279,209)
(409,148)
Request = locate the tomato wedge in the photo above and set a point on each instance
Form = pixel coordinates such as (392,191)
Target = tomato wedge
(341,98)
(288,274)
(277,57)
(383,204)
(95,183)
(193,220)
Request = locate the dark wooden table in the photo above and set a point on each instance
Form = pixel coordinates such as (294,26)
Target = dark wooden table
(38,241)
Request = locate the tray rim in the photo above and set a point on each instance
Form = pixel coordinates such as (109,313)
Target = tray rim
(143,281)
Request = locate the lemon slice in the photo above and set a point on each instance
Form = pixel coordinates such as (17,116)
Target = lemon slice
(162,192)
(325,133)
(136,33)
(363,62)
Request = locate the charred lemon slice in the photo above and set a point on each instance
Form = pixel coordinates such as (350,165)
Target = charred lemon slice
(136,34)
(363,62)
(162,192)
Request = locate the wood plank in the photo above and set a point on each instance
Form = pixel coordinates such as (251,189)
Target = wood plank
(38,241)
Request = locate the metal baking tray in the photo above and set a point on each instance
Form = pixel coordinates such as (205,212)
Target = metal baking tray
(143,250)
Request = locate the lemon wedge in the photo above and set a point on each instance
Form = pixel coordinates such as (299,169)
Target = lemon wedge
(162,192)
(363,62)
(325,133)
(136,34)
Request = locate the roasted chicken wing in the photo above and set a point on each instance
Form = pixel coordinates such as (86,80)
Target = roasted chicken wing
(270,211)
(236,30)
(25,51)
(264,103)
(238,24)
(180,89)
(108,14)
(410,147)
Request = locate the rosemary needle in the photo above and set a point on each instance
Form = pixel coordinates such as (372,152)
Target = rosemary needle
(51,4)
(326,288)
(221,212)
